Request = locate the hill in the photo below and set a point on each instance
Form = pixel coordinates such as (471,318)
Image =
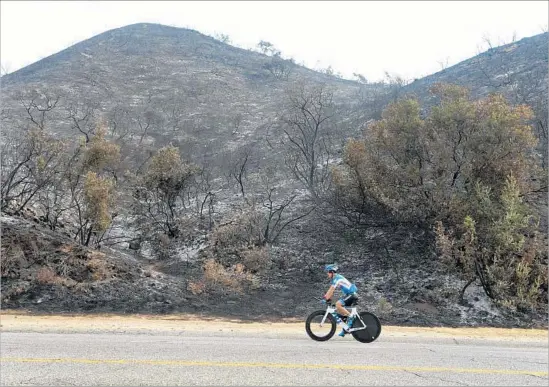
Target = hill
(230,112)
(166,84)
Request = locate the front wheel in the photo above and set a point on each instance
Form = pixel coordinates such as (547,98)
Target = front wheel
(372,330)
(318,332)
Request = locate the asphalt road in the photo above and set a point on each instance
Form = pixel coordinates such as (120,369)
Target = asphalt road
(57,359)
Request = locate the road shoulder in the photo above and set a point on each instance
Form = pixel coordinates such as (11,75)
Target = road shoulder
(180,324)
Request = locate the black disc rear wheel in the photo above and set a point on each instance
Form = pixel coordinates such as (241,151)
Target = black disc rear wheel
(372,331)
(319,332)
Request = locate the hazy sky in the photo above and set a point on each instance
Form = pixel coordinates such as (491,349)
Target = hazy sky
(410,39)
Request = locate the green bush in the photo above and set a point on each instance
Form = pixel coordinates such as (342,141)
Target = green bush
(464,169)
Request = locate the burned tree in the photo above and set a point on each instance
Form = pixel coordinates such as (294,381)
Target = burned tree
(308,123)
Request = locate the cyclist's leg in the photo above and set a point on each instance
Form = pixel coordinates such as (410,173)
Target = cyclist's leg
(348,301)
(344,312)
(341,303)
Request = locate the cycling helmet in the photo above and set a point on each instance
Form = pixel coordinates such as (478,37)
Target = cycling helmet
(332,267)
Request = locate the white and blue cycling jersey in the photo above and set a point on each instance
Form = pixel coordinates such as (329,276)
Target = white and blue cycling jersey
(340,282)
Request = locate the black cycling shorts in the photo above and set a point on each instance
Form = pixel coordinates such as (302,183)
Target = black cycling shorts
(349,299)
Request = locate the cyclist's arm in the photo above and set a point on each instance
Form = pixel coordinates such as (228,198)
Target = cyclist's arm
(329,293)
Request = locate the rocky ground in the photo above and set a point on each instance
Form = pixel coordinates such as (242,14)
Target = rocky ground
(44,272)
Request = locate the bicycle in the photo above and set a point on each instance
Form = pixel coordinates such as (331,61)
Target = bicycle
(366,326)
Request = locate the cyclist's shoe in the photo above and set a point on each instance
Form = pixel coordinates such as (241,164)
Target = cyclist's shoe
(350,322)
(344,331)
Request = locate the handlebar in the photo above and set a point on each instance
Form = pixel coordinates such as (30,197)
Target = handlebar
(327,302)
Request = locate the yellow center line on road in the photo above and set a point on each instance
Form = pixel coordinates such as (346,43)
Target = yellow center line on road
(187,363)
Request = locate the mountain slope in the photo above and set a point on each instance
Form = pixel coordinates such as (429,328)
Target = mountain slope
(155,85)
(165,84)
(513,67)
(183,86)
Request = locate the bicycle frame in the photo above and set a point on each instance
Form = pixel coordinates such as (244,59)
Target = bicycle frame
(331,309)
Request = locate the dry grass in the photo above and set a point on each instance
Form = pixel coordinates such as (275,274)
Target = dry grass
(98,266)
(217,276)
(99,269)
(66,248)
(13,259)
(46,276)
(196,288)
(384,307)
(257,259)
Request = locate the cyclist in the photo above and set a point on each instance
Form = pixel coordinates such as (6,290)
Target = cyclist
(349,295)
